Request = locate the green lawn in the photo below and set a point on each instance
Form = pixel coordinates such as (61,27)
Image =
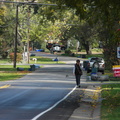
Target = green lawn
(42,60)
(7,72)
(11,75)
(87,56)
(10,67)
(110,109)
(2,61)
(111,76)
(95,55)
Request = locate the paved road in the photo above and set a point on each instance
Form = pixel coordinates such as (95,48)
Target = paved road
(69,60)
(36,92)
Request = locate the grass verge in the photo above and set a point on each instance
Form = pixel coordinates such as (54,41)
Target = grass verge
(10,67)
(111,76)
(110,109)
(11,75)
(7,72)
(42,60)
(87,56)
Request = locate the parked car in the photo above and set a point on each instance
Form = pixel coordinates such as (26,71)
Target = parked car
(63,47)
(96,62)
(55,48)
(49,46)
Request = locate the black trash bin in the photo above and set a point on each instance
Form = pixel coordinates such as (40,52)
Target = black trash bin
(20,69)
(83,56)
(32,67)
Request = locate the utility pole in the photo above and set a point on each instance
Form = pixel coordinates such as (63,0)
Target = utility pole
(15,41)
(16,29)
(28,36)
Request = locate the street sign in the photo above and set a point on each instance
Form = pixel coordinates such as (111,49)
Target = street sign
(116,69)
(118,52)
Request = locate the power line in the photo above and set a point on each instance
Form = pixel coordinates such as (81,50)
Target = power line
(17,4)
(26,3)
(31,3)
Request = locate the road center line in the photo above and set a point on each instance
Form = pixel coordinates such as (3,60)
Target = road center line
(5,86)
(36,117)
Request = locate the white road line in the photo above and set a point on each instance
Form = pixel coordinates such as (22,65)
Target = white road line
(36,117)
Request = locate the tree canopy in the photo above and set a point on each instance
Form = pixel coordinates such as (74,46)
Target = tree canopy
(84,20)
(106,15)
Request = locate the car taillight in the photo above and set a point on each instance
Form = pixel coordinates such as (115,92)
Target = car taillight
(103,65)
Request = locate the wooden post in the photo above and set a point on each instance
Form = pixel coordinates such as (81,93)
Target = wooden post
(15,42)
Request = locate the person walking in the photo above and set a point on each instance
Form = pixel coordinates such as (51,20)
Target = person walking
(77,72)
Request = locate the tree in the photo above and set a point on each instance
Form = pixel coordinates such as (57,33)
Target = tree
(6,33)
(106,15)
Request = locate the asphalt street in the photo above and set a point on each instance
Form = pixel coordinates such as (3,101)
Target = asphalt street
(36,92)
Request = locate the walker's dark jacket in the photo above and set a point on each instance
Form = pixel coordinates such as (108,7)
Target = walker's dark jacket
(77,70)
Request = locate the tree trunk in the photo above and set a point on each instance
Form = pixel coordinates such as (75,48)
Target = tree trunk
(87,48)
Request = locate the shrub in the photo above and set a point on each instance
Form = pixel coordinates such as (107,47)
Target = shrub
(18,59)
(19,49)
(68,52)
(4,55)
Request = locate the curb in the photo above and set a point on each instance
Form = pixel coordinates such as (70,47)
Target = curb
(90,105)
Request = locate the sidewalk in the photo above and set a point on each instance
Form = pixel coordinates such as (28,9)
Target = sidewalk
(90,103)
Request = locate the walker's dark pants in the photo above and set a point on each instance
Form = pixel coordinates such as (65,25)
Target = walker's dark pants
(77,79)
